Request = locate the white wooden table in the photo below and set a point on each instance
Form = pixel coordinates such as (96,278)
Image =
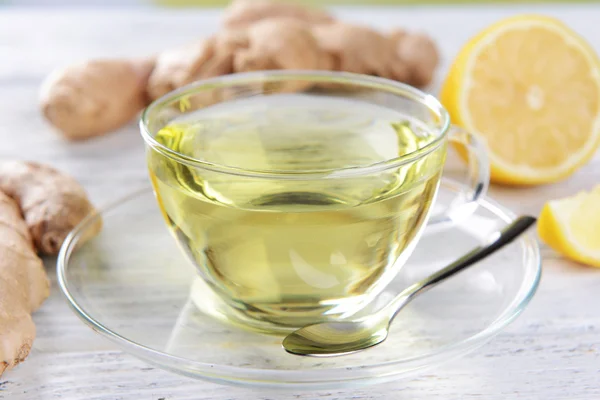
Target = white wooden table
(551,352)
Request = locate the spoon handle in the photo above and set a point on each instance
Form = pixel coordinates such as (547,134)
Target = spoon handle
(502,238)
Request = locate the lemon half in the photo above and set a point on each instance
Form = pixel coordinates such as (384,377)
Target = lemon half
(530,86)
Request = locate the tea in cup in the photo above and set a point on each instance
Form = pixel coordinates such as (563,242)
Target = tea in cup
(297,206)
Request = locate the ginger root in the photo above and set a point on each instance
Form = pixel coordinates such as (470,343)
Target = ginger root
(38,207)
(418,53)
(296,48)
(23,285)
(242,13)
(358,49)
(97,97)
(52,202)
(178,67)
(94,97)
(239,50)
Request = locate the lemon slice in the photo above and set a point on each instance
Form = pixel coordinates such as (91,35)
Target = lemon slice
(571,226)
(530,86)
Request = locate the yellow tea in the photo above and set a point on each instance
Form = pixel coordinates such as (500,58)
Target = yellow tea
(299,228)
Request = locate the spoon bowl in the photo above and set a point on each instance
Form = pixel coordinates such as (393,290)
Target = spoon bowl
(336,338)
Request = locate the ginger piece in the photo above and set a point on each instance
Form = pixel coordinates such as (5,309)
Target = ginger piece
(275,43)
(418,53)
(205,59)
(94,97)
(279,43)
(52,202)
(23,285)
(360,49)
(38,207)
(242,13)
(178,67)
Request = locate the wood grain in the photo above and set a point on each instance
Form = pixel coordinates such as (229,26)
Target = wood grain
(551,352)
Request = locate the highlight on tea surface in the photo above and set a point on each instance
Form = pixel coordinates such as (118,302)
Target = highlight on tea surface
(291,249)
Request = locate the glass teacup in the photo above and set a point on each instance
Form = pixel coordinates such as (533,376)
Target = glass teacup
(299,195)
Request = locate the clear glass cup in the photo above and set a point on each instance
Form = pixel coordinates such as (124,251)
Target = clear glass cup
(282,247)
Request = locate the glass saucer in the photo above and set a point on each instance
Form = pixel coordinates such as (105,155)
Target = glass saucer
(131,284)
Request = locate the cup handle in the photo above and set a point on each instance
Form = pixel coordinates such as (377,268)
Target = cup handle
(478,178)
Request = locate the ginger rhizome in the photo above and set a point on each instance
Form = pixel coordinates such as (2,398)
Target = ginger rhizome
(95,97)
(99,96)
(23,285)
(39,206)
(241,13)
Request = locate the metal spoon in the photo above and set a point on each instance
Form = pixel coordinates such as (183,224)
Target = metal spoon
(337,338)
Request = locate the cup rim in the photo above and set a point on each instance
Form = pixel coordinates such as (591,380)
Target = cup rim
(367,81)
